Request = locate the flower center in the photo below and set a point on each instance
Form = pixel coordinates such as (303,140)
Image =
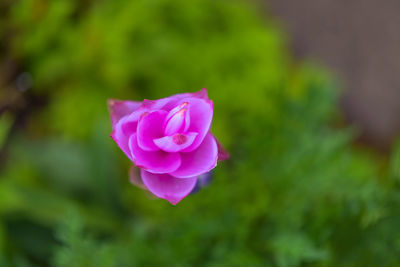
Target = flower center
(177,119)
(179,139)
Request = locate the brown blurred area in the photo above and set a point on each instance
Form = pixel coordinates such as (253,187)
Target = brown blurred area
(360,41)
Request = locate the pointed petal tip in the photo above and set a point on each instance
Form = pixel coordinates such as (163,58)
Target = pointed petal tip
(222,153)
(167,187)
(201,94)
(111,102)
(120,108)
(173,200)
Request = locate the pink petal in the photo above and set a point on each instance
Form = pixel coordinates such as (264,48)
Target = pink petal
(178,120)
(153,161)
(124,128)
(167,187)
(176,142)
(201,113)
(222,153)
(170,102)
(200,94)
(199,161)
(150,127)
(160,103)
(121,133)
(121,108)
(135,178)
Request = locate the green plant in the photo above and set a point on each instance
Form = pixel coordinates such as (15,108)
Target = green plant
(295,191)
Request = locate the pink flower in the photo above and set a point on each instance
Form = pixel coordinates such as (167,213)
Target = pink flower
(169,139)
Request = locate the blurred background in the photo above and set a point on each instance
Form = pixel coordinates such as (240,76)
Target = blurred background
(359,41)
(306,100)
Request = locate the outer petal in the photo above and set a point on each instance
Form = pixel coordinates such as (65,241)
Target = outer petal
(167,103)
(170,102)
(222,153)
(167,187)
(121,108)
(125,127)
(200,94)
(135,178)
(201,113)
(121,133)
(153,161)
(199,161)
(150,127)
(176,142)
(202,181)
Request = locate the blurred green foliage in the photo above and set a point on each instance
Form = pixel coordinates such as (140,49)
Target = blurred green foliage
(295,192)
